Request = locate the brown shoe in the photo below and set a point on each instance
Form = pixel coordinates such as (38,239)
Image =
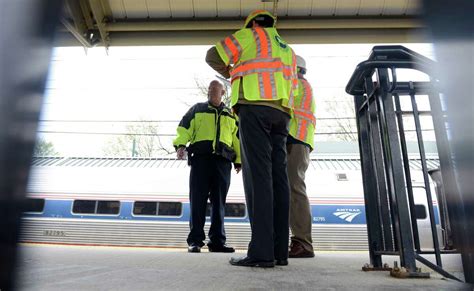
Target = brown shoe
(297,250)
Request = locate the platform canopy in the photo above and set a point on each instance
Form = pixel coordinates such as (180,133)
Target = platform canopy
(186,22)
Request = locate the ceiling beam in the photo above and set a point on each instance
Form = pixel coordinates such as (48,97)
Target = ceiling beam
(76,25)
(86,13)
(106,9)
(100,20)
(317,24)
(334,36)
(76,33)
(296,30)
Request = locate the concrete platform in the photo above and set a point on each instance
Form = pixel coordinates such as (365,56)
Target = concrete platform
(49,267)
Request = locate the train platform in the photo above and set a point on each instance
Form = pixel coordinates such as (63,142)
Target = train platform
(58,267)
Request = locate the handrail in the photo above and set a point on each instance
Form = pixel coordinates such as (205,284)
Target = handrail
(396,57)
(384,154)
(397,52)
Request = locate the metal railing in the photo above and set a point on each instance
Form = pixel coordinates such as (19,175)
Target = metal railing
(387,178)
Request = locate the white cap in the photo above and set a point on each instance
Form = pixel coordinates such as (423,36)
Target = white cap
(300,62)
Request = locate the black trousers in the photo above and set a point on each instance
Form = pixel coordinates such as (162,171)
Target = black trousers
(209,178)
(263,132)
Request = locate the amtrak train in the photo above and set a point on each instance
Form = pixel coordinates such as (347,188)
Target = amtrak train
(144,202)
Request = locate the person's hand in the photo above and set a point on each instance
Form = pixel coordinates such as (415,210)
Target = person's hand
(237,168)
(181,153)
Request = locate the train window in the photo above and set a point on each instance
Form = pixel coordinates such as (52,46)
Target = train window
(108,207)
(169,208)
(231,210)
(34,205)
(144,208)
(95,207)
(84,206)
(420,211)
(157,208)
(235,210)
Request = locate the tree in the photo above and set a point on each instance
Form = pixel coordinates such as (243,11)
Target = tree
(140,140)
(342,120)
(44,148)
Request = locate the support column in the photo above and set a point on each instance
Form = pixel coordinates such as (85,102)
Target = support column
(25,49)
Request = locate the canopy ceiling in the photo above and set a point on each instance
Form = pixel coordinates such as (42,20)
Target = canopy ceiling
(162,22)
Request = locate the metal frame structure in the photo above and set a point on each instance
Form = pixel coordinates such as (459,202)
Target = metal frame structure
(390,207)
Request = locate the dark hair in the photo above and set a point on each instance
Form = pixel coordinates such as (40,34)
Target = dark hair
(262,20)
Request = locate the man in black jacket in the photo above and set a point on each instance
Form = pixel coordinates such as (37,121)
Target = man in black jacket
(211,131)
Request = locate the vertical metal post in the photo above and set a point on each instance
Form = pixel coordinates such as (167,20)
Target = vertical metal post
(406,164)
(426,180)
(369,182)
(394,173)
(25,48)
(378,161)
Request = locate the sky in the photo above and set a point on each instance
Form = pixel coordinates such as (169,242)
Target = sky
(93,93)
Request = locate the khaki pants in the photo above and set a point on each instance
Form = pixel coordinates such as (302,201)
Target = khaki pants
(300,211)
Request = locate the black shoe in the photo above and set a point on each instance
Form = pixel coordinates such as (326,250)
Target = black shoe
(194,249)
(220,249)
(281,262)
(249,262)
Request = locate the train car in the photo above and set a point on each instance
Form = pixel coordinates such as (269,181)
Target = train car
(144,202)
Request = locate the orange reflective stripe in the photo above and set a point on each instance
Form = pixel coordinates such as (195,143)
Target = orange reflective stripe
(234,48)
(264,66)
(257,65)
(304,114)
(302,130)
(226,50)
(307,95)
(261,66)
(262,43)
(267,86)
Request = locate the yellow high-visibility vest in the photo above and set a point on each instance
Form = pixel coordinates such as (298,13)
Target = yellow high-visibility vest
(209,131)
(303,122)
(263,63)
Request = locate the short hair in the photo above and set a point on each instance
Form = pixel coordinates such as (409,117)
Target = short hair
(262,20)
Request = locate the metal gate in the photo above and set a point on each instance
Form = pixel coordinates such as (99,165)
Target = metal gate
(389,198)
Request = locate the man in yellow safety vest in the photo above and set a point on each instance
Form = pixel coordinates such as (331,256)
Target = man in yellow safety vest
(299,144)
(262,68)
(209,130)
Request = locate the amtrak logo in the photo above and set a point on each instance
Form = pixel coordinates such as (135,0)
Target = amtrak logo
(347,214)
